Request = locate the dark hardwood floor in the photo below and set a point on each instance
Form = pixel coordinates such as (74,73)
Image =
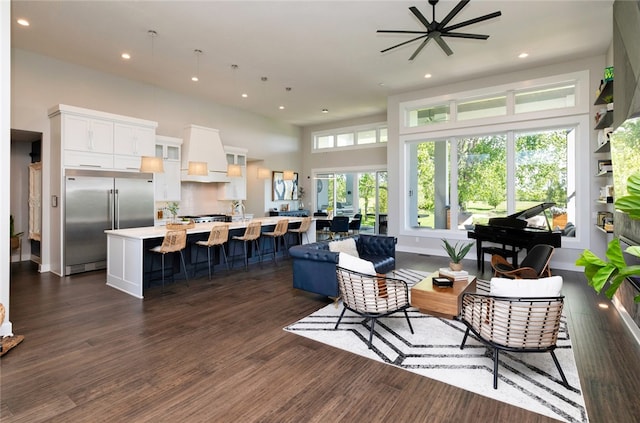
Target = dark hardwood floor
(215,351)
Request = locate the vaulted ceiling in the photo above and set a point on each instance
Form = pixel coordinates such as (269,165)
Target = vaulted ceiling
(326,52)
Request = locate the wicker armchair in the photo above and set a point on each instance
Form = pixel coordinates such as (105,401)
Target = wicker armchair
(372,296)
(513,324)
(535,264)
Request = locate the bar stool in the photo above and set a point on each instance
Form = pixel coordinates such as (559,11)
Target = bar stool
(251,235)
(174,241)
(219,235)
(302,229)
(279,232)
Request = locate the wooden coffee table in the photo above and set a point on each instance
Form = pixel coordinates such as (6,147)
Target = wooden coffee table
(441,302)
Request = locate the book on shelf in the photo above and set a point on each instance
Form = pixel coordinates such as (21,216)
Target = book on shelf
(457,275)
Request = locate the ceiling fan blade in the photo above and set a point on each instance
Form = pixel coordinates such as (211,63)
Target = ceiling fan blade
(443,45)
(420,47)
(403,43)
(398,31)
(464,35)
(453,12)
(472,21)
(420,17)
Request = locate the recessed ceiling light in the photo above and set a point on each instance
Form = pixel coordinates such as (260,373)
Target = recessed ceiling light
(523,55)
(427,75)
(281,107)
(245,95)
(603,305)
(23,22)
(381,84)
(195,79)
(325,110)
(125,56)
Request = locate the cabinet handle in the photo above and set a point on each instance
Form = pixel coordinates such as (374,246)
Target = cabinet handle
(90,139)
(88,165)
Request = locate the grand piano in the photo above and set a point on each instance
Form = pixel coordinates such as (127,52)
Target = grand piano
(515,231)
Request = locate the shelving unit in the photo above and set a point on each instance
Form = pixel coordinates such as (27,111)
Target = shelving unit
(604,119)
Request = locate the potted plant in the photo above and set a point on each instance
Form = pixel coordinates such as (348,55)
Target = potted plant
(456,253)
(173,208)
(13,236)
(614,269)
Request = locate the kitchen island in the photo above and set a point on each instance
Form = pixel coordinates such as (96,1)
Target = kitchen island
(127,249)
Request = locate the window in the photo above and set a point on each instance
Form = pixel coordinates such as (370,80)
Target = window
(479,185)
(545,98)
(494,152)
(353,137)
(483,108)
(428,115)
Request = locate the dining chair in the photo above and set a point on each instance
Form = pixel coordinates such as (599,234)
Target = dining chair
(218,236)
(339,226)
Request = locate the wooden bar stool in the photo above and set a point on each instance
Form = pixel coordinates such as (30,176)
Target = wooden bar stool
(174,242)
(302,229)
(251,236)
(218,236)
(278,233)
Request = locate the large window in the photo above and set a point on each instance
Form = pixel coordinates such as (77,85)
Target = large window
(481,185)
(351,137)
(492,152)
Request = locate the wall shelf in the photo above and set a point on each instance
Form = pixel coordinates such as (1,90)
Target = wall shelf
(606,94)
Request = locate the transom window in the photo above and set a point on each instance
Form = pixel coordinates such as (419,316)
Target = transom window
(351,137)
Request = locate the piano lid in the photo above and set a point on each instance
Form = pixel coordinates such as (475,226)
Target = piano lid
(519,220)
(532,211)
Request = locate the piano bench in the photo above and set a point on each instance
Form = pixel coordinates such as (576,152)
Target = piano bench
(501,252)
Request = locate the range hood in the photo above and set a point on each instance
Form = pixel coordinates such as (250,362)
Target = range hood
(203,145)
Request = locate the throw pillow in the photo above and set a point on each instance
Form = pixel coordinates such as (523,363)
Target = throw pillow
(347,245)
(356,264)
(526,288)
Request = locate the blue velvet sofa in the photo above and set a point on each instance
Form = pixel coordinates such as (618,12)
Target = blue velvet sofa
(314,266)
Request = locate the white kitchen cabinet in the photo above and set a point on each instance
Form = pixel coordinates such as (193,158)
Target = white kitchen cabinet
(236,189)
(86,134)
(87,142)
(130,143)
(84,138)
(167,184)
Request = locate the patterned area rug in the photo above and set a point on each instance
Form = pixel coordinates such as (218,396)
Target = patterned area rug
(530,381)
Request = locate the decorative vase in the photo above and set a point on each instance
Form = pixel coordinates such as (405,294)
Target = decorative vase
(456,267)
(300,205)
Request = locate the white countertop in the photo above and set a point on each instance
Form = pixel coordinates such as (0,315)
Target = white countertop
(159,231)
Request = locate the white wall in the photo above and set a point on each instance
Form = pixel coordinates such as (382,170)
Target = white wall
(40,82)
(5,147)
(565,257)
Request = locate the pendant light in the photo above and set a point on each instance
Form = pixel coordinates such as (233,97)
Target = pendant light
(152,164)
(234,170)
(198,168)
(196,77)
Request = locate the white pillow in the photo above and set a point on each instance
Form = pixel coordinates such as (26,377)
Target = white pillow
(356,264)
(543,287)
(347,245)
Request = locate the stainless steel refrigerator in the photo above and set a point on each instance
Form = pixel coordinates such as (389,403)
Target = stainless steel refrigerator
(96,201)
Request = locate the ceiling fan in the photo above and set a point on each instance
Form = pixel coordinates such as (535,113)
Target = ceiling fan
(436,30)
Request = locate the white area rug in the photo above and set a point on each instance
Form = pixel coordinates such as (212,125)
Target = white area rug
(530,381)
